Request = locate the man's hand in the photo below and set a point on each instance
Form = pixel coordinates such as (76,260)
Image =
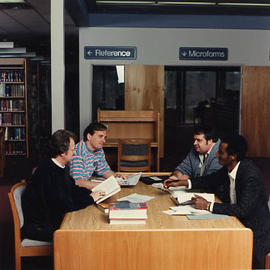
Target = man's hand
(97,195)
(199,202)
(171,182)
(123,176)
(86,183)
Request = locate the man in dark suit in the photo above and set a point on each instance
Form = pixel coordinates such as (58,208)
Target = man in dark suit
(239,185)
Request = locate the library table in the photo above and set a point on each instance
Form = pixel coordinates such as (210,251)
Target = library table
(87,241)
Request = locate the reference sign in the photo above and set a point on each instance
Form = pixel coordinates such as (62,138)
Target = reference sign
(203,53)
(112,52)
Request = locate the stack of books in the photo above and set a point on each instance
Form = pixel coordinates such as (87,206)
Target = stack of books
(125,212)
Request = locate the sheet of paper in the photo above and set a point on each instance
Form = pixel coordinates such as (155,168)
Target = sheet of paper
(183,196)
(208,216)
(131,180)
(155,178)
(188,209)
(136,198)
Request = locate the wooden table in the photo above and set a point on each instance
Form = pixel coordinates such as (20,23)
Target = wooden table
(87,241)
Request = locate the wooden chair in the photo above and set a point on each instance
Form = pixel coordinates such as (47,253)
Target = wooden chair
(267,261)
(134,155)
(25,247)
(2,151)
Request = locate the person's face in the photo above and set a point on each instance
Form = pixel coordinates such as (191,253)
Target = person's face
(224,158)
(201,145)
(68,155)
(97,140)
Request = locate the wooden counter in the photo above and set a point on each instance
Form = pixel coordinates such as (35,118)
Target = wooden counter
(87,241)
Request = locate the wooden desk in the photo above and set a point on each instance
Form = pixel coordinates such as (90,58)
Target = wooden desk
(87,241)
(132,125)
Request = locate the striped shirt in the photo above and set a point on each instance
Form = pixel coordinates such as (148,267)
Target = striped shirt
(86,162)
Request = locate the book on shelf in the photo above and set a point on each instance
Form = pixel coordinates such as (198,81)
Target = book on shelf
(110,186)
(127,210)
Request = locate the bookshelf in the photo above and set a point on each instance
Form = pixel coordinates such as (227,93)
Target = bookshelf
(13,105)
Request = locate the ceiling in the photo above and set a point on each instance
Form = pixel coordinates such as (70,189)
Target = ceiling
(28,24)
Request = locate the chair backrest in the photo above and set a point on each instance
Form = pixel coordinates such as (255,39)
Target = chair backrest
(16,206)
(134,155)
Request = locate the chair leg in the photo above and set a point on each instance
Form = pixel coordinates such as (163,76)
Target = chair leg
(17,261)
(267,261)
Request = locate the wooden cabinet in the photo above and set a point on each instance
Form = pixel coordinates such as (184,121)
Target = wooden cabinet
(132,125)
(13,105)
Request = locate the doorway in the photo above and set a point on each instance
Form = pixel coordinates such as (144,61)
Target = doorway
(198,96)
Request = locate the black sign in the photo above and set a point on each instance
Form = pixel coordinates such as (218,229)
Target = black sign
(100,52)
(202,53)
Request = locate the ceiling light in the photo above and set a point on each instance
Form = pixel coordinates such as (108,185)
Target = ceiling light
(244,4)
(6,45)
(11,1)
(12,50)
(27,55)
(186,3)
(126,2)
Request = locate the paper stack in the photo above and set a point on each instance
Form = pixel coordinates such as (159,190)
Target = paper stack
(125,212)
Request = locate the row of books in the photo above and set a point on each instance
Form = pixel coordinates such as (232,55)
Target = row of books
(12,105)
(13,133)
(12,76)
(13,148)
(11,90)
(9,119)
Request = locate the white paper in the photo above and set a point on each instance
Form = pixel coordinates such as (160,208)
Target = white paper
(183,196)
(155,178)
(136,198)
(132,180)
(188,210)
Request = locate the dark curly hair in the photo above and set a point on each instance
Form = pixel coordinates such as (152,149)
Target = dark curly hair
(208,132)
(237,145)
(91,128)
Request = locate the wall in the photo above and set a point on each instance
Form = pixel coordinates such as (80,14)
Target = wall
(159,46)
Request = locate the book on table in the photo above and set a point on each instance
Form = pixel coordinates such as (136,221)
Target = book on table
(125,212)
(127,221)
(110,186)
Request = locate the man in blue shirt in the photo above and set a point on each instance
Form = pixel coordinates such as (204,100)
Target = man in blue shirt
(201,160)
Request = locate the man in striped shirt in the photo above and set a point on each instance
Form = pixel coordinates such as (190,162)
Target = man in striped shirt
(89,156)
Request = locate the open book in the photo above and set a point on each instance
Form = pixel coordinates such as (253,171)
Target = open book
(110,186)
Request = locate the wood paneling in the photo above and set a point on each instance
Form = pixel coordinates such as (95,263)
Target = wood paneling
(255,124)
(144,90)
